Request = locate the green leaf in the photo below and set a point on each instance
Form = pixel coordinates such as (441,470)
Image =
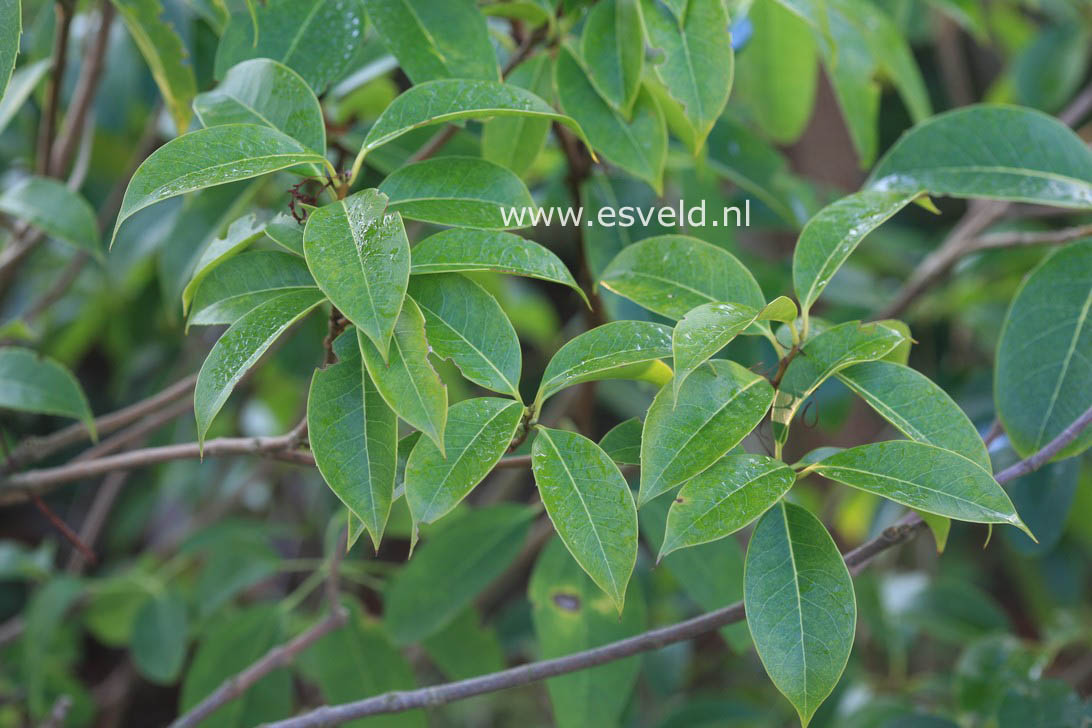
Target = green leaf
(451,568)
(209,157)
(613,48)
(54,209)
(781,309)
(623,442)
(715,409)
(457,191)
(466,648)
(516,141)
(570,616)
(437,102)
(981,151)
(464,323)
(31,383)
(242,282)
(697,63)
(164,53)
(360,258)
(435,39)
(359,659)
(22,85)
(724,498)
(354,436)
(704,331)
(45,617)
(921,476)
(834,233)
(747,160)
(1043,380)
(602,353)
(228,646)
(590,505)
(478,433)
(241,346)
(672,274)
(917,407)
(287,232)
(406,380)
(312,37)
(800,605)
(159,637)
(777,75)
(460,250)
(711,574)
(11,27)
(823,355)
(266,93)
(238,237)
(638,144)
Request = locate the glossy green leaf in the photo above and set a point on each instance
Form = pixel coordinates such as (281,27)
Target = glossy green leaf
(437,102)
(240,348)
(458,191)
(711,574)
(406,379)
(917,407)
(461,250)
(590,505)
(570,615)
(801,608)
(516,141)
(210,157)
(286,232)
(22,85)
(264,92)
(834,233)
(981,151)
(478,433)
(778,73)
(241,283)
(11,27)
(1043,380)
(54,209)
(228,646)
(637,144)
(354,436)
(924,477)
(672,274)
(31,383)
(613,48)
(623,442)
(159,637)
(724,498)
(357,660)
(464,323)
(781,309)
(452,566)
(697,64)
(602,352)
(704,331)
(435,39)
(165,54)
(823,355)
(312,37)
(238,237)
(360,258)
(715,409)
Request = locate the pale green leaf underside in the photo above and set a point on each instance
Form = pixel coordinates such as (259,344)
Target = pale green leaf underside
(239,284)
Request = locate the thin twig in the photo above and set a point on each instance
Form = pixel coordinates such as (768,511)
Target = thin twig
(105,497)
(64,9)
(63,527)
(1038,237)
(399,701)
(58,713)
(279,656)
(136,432)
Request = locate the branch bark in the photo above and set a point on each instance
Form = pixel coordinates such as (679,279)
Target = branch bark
(399,701)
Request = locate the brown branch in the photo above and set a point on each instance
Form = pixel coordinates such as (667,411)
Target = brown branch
(64,9)
(105,497)
(63,527)
(136,432)
(34,449)
(399,701)
(1039,237)
(279,656)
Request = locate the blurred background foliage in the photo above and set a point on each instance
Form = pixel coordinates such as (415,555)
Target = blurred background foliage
(204,566)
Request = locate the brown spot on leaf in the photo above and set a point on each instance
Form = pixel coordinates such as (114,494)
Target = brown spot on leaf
(568,602)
